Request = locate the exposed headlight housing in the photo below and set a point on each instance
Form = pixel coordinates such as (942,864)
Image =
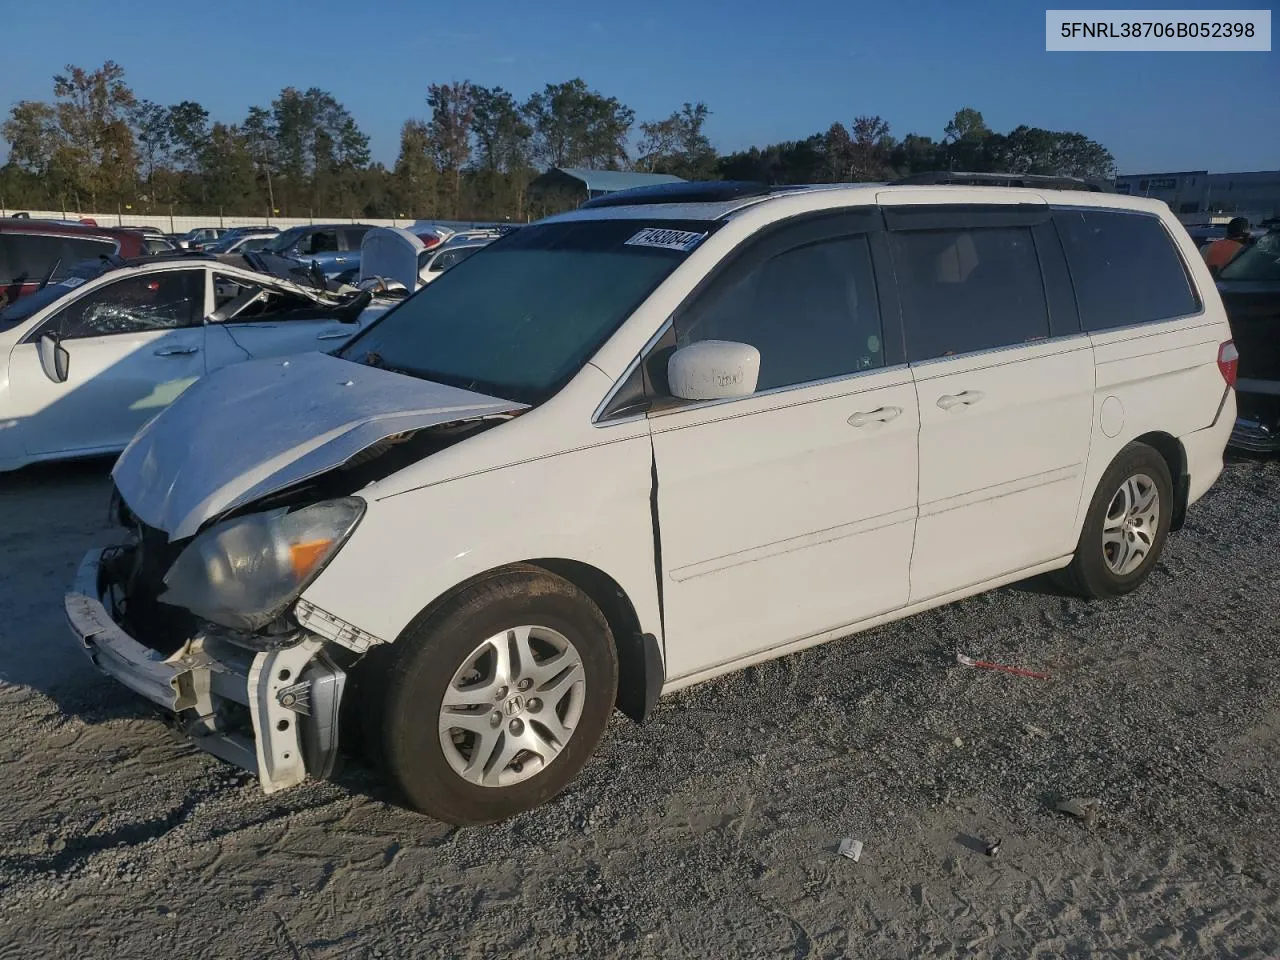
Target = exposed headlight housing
(243,573)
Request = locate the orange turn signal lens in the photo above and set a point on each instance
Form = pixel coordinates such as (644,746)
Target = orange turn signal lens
(305,556)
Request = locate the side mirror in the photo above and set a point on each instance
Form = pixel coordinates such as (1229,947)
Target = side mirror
(714,370)
(54,359)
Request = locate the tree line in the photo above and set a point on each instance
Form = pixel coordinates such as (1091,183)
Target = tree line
(97,146)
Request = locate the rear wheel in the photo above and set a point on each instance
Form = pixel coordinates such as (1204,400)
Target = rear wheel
(493,702)
(1126,526)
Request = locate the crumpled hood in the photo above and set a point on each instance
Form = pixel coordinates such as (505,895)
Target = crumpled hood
(253,428)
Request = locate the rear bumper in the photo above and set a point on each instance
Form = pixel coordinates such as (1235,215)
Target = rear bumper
(1257,428)
(291,695)
(1255,436)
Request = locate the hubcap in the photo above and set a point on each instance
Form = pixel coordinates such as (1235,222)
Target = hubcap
(1129,530)
(512,706)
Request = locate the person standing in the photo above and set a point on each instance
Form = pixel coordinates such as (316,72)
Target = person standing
(1221,252)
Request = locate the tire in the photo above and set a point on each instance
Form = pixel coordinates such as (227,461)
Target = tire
(427,662)
(1117,528)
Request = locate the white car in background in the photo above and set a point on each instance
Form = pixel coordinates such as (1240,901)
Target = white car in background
(89,360)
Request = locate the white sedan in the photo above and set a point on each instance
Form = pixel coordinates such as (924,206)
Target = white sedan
(84,363)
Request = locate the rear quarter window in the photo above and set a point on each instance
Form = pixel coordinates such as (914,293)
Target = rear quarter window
(1125,269)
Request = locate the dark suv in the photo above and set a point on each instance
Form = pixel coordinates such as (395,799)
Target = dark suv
(32,251)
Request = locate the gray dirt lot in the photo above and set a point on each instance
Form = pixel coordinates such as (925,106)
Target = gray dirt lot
(711,831)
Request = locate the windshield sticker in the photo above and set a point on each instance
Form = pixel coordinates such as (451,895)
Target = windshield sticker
(72,282)
(681,240)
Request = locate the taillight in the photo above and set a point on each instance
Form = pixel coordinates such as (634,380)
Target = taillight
(1229,362)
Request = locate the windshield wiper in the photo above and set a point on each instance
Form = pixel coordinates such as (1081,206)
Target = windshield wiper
(49,276)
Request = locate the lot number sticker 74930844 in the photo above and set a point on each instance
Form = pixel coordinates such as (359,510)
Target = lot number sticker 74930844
(681,240)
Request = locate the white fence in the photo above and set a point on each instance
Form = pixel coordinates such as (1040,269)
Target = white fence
(172,224)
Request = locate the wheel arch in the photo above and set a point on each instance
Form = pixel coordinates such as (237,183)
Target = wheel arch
(1171,449)
(641,672)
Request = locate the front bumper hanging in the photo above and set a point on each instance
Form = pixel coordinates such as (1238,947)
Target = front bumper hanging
(292,695)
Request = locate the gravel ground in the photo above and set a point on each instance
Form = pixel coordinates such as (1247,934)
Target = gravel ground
(711,831)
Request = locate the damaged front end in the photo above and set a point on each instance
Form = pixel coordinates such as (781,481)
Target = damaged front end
(267,701)
(234,499)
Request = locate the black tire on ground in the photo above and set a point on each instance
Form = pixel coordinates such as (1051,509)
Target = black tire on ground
(405,699)
(1089,574)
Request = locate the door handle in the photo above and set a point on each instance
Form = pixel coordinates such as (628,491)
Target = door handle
(340,335)
(968,397)
(177,351)
(882,415)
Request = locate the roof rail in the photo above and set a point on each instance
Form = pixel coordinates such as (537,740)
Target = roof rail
(687,191)
(1001,179)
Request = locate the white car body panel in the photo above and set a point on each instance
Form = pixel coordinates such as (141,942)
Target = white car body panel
(1001,475)
(778,508)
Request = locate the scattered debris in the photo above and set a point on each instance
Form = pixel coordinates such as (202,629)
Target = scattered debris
(1035,731)
(1082,808)
(965,661)
(850,848)
(993,848)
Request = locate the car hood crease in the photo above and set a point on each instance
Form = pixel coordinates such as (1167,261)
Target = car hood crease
(251,429)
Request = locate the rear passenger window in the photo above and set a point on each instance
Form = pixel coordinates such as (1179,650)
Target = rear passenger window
(1125,268)
(811,311)
(967,290)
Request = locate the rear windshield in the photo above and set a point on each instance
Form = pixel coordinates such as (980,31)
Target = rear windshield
(28,257)
(521,316)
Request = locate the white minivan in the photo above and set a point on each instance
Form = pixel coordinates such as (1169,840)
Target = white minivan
(656,439)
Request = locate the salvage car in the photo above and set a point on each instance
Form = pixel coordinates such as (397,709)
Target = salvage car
(1250,290)
(90,359)
(670,434)
(333,247)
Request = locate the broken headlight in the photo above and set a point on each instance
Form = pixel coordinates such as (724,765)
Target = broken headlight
(243,573)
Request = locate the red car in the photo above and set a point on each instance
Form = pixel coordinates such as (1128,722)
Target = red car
(30,249)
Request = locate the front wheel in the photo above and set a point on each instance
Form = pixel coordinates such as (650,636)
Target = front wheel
(1126,526)
(494,702)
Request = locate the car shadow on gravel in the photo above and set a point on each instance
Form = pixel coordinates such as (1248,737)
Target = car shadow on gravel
(53,514)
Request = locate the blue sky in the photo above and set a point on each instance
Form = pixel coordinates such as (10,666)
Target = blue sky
(768,71)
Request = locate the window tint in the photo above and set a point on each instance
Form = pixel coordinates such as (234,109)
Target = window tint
(322,241)
(353,236)
(154,301)
(966,290)
(28,257)
(811,311)
(1125,269)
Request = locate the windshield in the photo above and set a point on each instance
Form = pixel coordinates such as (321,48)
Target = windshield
(26,307)
(283,241)
(523,315)
(1258,262)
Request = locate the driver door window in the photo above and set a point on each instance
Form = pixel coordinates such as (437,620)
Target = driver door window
(167,300)
(811,310)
